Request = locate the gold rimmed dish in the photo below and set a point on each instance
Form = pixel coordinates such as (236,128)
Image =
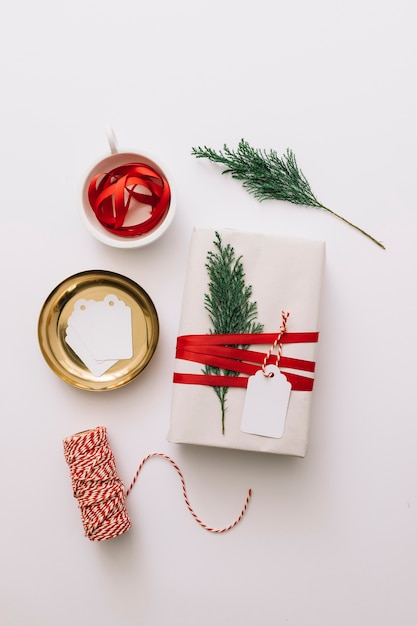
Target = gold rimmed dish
(58,308)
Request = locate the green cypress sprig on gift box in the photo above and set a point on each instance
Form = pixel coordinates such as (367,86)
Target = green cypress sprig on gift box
(229,305)
(267,176)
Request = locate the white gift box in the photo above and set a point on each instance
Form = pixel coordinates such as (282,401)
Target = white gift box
(285,275)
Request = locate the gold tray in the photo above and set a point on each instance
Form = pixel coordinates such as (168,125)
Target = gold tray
(59,306)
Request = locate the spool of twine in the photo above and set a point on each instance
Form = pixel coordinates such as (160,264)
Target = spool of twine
(101,494)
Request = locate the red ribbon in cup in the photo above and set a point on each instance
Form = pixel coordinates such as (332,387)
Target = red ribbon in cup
(113,194)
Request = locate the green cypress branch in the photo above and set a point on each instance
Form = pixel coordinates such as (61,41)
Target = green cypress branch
(267,176)
(229,304)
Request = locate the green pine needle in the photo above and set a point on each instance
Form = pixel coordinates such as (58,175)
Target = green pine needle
(229,304)
(267,176)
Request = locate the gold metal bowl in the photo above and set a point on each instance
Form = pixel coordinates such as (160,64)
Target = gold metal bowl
(53,323)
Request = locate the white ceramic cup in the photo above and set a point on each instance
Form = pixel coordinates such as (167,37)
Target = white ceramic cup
(116,159)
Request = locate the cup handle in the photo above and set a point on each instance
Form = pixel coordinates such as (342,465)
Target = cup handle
(111,138)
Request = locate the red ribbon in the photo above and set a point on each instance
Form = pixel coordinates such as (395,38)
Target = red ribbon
(221,351)
(111,194)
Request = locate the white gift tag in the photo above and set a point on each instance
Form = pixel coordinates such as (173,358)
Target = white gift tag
(105,327)
(96,367)
(266,403)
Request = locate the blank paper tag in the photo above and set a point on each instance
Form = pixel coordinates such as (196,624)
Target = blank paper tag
(104,327)
(96,367)
(266,403)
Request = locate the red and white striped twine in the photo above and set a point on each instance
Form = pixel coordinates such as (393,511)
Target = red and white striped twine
(101,493)
(282,330)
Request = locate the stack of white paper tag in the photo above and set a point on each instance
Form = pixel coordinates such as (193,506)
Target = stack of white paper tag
(100,332)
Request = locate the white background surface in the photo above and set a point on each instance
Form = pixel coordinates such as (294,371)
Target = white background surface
(328,540)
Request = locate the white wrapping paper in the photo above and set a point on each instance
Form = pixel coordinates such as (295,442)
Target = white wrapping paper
(285,275)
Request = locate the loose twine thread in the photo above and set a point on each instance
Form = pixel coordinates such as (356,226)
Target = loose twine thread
(282,330)
(101,493)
